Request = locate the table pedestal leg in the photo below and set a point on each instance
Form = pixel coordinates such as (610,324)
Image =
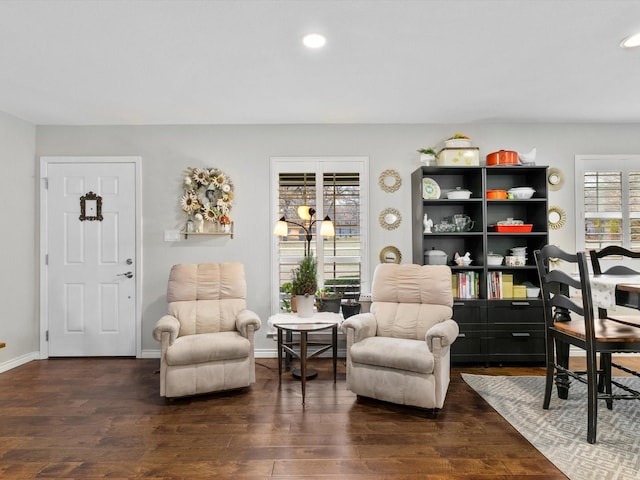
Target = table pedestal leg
(279,356)
(303,363)
(334,342)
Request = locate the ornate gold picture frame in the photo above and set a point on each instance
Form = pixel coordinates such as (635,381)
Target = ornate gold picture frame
(90,207)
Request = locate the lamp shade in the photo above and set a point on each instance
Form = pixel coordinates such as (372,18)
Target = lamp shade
(305,212)
(326,228)
(281,229)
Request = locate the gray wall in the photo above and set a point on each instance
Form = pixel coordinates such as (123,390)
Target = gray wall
(244,151)
(18,275)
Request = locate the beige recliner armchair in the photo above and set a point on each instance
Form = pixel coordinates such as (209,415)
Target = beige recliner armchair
(399,351)
(207,337)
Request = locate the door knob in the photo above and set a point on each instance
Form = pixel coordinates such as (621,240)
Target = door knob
(127,274)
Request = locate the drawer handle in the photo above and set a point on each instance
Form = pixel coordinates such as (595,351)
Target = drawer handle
(520,334)
(520,304)
(461,335)
(458,304)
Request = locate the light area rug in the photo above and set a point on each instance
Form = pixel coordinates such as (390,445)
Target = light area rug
(560,433)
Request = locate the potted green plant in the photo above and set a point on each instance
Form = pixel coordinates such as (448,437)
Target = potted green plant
(427,156)
(329,300)
(287,299)
(304,284)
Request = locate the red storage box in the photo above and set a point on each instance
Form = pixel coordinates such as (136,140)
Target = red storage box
(527,227)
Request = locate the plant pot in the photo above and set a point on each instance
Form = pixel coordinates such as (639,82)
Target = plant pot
(304,304)
(427,159)
(329,305)
(350,309)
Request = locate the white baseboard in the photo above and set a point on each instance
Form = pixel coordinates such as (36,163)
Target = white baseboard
(579,352)
(150,353)
(259,353)
(16,362)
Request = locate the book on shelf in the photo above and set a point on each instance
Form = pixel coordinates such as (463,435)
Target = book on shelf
(465,285)
(494,286)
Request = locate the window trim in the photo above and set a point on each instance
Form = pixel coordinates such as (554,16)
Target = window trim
(584,163)
(318,165)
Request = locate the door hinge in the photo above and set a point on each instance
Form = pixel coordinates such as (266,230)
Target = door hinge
(46,183)
(46,259)
(46,335)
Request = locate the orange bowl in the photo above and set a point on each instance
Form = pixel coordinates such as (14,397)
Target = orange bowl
(497,194)
(503,157)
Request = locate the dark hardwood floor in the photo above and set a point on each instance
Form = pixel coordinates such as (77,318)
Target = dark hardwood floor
(103,418)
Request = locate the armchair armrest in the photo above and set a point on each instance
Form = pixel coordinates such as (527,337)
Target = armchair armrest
(363,325)
(246,318)
(447,331)
(168,324)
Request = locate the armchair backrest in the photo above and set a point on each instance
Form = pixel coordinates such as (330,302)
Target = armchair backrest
(206,297)
(409,299)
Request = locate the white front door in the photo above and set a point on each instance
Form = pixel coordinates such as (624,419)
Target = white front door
(90,257)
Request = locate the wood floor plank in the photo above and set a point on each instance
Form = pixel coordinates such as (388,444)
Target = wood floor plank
(103,418)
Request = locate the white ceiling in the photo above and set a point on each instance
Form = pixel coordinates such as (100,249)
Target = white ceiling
(71,62)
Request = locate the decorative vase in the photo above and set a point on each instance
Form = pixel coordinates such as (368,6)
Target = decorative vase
(304,304)
(427,159)
(199,222)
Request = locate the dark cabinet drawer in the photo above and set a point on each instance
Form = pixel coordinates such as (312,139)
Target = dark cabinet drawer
(506,312)
(470,346)
(469,311)
(517,345)
(499,331)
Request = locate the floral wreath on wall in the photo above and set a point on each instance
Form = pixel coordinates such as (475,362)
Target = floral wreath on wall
(208,195)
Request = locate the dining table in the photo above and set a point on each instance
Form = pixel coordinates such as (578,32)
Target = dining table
(628,295)
(611,290)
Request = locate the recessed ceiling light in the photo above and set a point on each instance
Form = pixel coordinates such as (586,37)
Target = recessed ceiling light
(314,40)
(632,41)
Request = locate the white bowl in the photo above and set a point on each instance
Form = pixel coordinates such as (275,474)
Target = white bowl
(463,262)
(515,261)
(494,259)
(457,143)
(533,292)
(459,193)
(521,193)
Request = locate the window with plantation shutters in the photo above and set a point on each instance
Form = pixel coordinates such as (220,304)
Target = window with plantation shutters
(607,201)
(342,253)
(334,187)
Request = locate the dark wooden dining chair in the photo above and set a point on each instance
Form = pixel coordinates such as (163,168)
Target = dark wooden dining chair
(621,255)
(624,255)
(570,321)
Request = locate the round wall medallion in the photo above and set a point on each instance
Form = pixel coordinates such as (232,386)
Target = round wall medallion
(556,217)
(555,179)
(390,218)
(390,181)
(390,254)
